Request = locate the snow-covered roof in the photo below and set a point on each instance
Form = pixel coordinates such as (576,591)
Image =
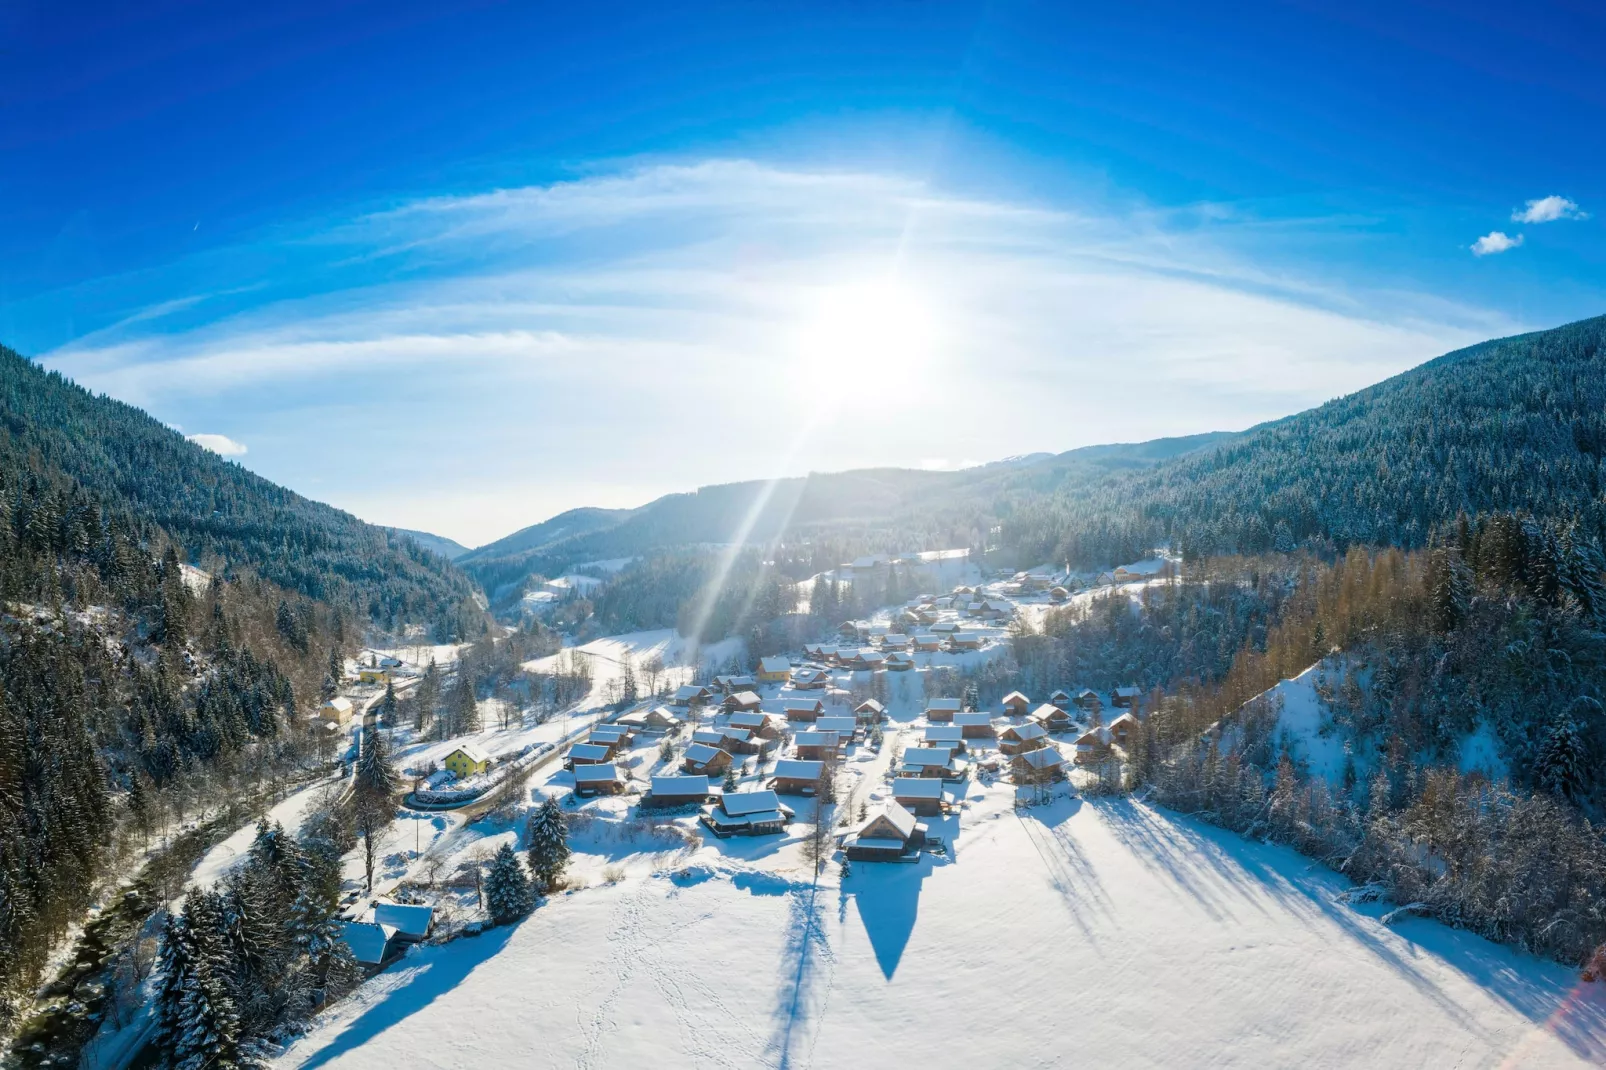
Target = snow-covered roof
(801,704)
(816,739)
(1013,698)
(1046,711)
(408,919)
(596,774)
(900,819)
(910,787)
(746,698)
(702,753)
(1025,731)
(608,733)
(1125,718)
(339,702)
(927,756)
(680,785)
(798,769)
(941,733)
(470,751)
(749,719)
(870,705)
(840,722)
(685,691)
(1128,692)
(943,704)
(711,736)
(775,664)
(747,803)
(741,735)
(972,719)
(588,751)
(1042,758)
(368,940)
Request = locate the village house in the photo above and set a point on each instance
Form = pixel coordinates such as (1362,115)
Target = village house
(371,675)
(701,759)
(997,609)
(1126,697)
(1019,738)
(1052,718)
(668,791)
(802,709)
(894,642)
(411,922)
(587,754)
(372,944)
(741,701)
(870,712)
(853,629)
(890,835)
(810,679)
(899,662)
(814,651)
(918,795)
(604,779)
(1122,727)
(927,644)
(840,723)
(709,737)
(760,724)
(742,741)
(816,746)
(1088,699)
(615,735)
(944,735)
(657,720)
(942,710)
(864,660)
(337,710)
(960,642)
(1062,699)
(466,761)
(945,627)
(774,670)
(1092,746)
(796,776)
(691,695)
(931,762)
(974,725)
(747,813)
(1042,766)
(1058,595)
(1015,704)
(729,685)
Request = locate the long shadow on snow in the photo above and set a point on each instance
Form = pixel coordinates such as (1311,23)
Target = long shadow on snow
(887,898)
(450,965)
(1543,992)
(801,993)
(1069,870)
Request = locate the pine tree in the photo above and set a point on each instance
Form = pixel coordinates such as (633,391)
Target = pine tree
(507,889)
(548,838)
(1559,765)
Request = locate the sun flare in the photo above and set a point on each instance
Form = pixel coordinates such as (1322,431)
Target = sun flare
(874,333)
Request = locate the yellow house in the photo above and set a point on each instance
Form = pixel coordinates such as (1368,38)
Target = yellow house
(774,670)
(466,761)
(337,709)
(373,676)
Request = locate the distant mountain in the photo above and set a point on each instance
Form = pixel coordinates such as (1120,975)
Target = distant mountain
(1514,424)
(218,513)
(450,549)
(952,508)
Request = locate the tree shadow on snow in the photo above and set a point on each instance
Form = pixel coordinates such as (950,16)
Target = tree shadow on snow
(804,981)
(1218,868)
(448,968)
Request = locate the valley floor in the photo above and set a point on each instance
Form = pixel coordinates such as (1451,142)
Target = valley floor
(1083,932)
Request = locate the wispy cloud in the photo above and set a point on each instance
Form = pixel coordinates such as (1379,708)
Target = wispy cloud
(220,444)
(1496,241)
(1548,210)
(637,324)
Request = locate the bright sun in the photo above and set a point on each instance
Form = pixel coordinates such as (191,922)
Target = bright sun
(873,334)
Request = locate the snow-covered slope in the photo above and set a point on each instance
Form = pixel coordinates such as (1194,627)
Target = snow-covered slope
(1087,933)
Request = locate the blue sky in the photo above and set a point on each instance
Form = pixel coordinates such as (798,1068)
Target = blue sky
(463,266)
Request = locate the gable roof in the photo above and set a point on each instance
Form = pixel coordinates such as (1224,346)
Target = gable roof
(702,753)
(368,940)
(943,704)
(680,785)
(1014,698)
(691,691)
(738,803)
(611,733)
(339,702)
(588,750)
(869,705)
(775,664)
(711,736)
(816,739)
(972,719)
(596,774)
(913,787)
(1042,758)
(1045,712)
(798,769)
(471,752)
(746,698)
(894,814)
(840,723)
(927,756)
(749,719)
(1029,730)
(802,704)
(942,733)
(408,919)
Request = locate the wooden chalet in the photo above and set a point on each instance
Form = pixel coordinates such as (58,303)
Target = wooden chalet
(1058,594)
(898,661)
(802,709)
(729,685)
(840,723)
(1019,738)
(604,779)
(774,670)
(894,641)
(1092,746)
(945,735)
(959,642)
(668,791)
(690,695)
(741,741)
(810,679)
(657,720)
(975,725)
(816,746)
(411,921)
(942,710)
(710,737)
(864,660)
(1088,699)
(852,629)
(701,759)
(588,754)
(372,944)
(1015,704)
(890,835)
(1040,766)
(741,701)
(1126,697)
(945,627)
(1122,728)
(616,735)
(797,776)
(926,644)
(1062,699)
(870,712)
(1051,718)
(762,725)
(938,762)
(918,795)
(747,813)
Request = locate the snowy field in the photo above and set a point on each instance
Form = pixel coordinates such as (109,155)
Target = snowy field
(1085,932)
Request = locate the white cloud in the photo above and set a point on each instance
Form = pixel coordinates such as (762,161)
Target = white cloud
(220,444)
(1547,210)
(660,329)
(1496,241)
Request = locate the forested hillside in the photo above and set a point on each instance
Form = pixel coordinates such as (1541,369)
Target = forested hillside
(1513,424)
(220,515)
